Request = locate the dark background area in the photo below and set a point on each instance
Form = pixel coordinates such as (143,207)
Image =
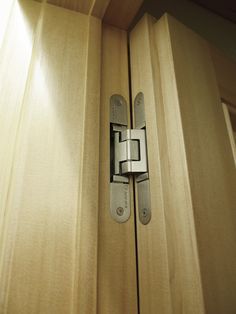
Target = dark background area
(213,20)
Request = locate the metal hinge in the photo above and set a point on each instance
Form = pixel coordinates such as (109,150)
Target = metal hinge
(130,151)
(128,157)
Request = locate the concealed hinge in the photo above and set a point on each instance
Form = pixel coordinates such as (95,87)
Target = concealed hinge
(128,157)
(129,151)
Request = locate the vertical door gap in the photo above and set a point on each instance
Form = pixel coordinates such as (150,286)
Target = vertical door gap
(134,192)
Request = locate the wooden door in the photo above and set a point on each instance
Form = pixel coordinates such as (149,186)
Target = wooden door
(48,221)
(187,253)
(60,251)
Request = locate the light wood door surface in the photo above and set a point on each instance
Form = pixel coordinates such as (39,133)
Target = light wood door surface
(50,179)
(50,89)
(117,282)
(187,253)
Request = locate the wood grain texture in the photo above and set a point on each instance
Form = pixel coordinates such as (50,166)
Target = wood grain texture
(15,58)
(83,6)
(99,8)
(117,287)
(173,67)
(211,167)
(225,70)
(168,257)
(152,242)
(121,13)
(87,221)
(49,248)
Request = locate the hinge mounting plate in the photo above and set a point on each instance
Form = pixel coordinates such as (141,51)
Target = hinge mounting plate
(128,156)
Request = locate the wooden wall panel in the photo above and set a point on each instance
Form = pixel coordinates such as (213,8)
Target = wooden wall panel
(49,248)
(117,286)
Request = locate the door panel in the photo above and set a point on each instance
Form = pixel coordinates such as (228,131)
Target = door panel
(117,286)
(192,174)
(168,260)
(152,242)
(211,168)
(49,244)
